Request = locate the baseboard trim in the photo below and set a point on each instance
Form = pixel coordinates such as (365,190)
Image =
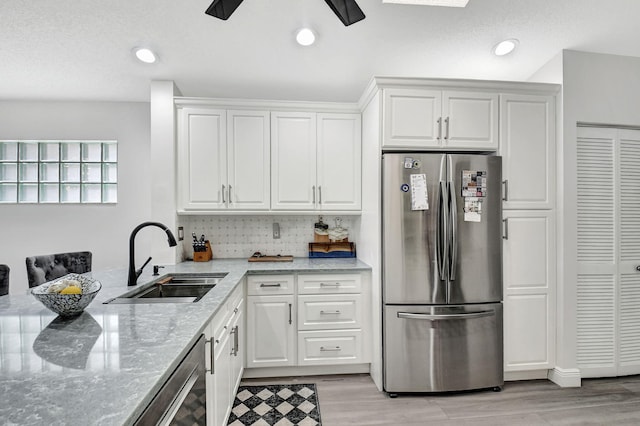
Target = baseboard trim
(313,370)
(565,377)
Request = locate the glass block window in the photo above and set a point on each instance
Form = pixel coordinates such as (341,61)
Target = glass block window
(58,172)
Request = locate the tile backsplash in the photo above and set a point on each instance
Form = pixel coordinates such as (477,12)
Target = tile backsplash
(241,236)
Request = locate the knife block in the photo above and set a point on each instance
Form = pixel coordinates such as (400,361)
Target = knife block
(203,256)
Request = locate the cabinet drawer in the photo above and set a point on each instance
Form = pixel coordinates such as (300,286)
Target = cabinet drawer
(235,298)
(264,285)
(318,312)
(329,283)
(329,347)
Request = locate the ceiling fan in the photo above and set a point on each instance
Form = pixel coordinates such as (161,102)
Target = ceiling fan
(347,10)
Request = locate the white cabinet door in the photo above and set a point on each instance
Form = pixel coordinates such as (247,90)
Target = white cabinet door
(339,161)
(248,159)
(412,118)
(237,347)
(202,158)
(293,161)
(222,378)
(270,331)
(527,132)
(529,290)
(470,120)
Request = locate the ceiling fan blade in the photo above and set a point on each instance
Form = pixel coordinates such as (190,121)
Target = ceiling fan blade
(222,9)
(347,10)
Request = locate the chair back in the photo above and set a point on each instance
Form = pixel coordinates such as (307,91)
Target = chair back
(4,280)
(41,269)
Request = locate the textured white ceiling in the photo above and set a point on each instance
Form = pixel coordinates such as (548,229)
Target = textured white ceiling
(81,49)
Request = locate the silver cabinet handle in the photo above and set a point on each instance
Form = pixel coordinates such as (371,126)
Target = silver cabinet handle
(233,348)
(211,355)
(230,194)
(334,349)
(319,194)
(329,284)
(505,184)
(313,191)
(290,319)
(505,235)
(330,312)
(446,134)
(270,285)
(439,128)
(223,200)
(429,317)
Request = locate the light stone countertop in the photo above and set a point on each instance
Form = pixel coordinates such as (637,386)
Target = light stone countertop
(104,366)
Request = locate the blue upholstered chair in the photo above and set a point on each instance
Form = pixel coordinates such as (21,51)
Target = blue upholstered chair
(41,269)
(4,280)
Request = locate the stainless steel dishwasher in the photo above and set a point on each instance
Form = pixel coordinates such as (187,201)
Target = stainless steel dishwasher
(182,399)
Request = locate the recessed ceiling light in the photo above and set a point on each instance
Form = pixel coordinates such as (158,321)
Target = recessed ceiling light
(145,55)
(448,3)
(305,37)
(505,47)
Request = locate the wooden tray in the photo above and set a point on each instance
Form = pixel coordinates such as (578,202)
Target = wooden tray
(271,259)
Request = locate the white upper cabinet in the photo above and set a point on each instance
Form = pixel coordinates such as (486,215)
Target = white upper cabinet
(316,161)
(339,162)
(248,160)
(293,160)
(202,158)
(416,118)
(527,132)
(223,159)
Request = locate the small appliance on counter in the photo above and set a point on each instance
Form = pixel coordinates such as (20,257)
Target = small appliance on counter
(201,249)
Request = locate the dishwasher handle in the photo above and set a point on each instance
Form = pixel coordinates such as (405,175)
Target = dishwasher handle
(441,317)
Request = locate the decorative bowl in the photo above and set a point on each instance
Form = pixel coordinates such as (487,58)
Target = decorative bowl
(68,305)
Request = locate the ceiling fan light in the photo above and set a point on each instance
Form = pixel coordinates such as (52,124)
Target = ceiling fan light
(145,55)
(305,37)
(505,47)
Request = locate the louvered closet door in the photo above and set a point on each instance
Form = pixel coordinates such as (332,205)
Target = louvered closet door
(608,218)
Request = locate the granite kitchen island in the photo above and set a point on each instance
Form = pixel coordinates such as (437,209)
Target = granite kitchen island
(104,366)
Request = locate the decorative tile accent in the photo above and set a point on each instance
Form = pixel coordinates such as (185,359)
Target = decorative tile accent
(276,405)
(241,236)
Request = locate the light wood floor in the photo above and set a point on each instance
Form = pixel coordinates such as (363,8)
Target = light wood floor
(354,400)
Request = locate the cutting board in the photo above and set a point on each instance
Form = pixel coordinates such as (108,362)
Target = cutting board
(271,259)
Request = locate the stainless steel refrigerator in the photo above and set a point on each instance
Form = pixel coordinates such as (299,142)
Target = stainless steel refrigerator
(442,272)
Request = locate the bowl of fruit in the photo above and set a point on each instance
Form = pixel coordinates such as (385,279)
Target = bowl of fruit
(69,295)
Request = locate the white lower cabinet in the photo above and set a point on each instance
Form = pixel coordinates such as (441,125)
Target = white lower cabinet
(305,319)
(270,331)
(529,290)
(225,363)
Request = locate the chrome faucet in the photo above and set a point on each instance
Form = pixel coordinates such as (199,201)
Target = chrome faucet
(133,273)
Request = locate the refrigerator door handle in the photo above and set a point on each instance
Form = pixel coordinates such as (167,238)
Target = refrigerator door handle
(441,237)
(453,226)
(441,317)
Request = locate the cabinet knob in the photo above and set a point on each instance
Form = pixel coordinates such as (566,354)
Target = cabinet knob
(638,268)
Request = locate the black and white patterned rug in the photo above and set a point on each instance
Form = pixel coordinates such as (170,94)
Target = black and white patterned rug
(276,405)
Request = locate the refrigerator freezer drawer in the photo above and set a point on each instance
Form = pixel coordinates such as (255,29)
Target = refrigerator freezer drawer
(442,348)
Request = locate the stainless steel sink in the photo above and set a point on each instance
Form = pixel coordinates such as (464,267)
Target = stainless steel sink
(176,288)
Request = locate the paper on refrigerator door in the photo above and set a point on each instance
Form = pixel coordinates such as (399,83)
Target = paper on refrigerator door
(419,196)
(472,209)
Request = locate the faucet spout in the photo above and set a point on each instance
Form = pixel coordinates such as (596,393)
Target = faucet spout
(133,274)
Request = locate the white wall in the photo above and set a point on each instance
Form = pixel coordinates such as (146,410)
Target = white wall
(32,229)
(597,88)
